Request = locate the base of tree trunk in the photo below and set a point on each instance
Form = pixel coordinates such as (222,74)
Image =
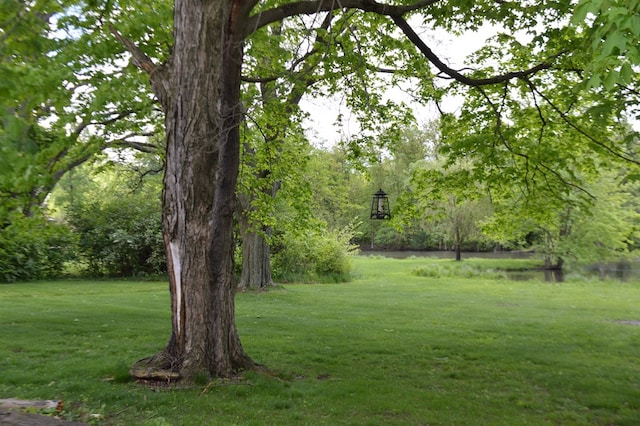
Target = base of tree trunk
(155,375)
(161,369)
(155,368)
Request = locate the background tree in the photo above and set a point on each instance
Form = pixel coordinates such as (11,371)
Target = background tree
(406,149)
(274,148)
(447,203)
(340,192)
(66,95)
(576,234)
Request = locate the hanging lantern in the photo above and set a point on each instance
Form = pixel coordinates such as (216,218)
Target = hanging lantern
(380,206)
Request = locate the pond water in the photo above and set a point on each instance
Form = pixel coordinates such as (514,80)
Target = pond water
(623,271)
(448,254)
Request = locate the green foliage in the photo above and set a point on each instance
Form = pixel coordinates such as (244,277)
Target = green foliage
(314,255)
(608,231)
(340,193)
(446,204)
(120,237)
(569,230)
(66,92)
(387,237)
(612,29)
(118,223)
(34,248)
(28,164)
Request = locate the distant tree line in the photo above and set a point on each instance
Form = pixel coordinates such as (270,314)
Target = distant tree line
(103,219)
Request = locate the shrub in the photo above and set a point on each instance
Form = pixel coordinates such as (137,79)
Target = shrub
(314,256)
(34,248)
(120,236)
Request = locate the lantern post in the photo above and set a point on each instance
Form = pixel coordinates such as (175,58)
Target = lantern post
(380,206)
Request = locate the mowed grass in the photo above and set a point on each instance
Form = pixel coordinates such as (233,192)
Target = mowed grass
(391,347)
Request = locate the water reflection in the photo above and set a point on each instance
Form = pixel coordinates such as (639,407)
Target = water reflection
(404,254)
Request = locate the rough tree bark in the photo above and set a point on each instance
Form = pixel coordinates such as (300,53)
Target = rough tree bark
(199,89)
(256,262)
(202,119)
(256,252)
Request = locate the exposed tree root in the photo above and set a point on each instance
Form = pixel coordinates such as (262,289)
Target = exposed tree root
(155,368)
(161,368)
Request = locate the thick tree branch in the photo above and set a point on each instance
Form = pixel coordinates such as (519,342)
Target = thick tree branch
(157,73)
(57,175)
(456,75)
(395,12)
(311,7)
(140,59)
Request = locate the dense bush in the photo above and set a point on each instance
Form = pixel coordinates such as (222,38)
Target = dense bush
(314,256)
(120,236)
(33,248)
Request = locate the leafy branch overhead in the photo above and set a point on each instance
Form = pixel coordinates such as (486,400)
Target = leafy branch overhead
(397,13)
(550,55)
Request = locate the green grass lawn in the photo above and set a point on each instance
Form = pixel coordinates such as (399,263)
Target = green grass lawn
(392,347)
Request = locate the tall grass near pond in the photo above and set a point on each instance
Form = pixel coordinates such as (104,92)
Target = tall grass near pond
(391,347)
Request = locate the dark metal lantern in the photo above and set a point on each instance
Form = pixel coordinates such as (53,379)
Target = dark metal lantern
(380,206)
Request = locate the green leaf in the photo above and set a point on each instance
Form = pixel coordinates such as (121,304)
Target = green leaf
(633,24)
(582,10)
(615,40)
(626,73)
(594,81)
(611,79)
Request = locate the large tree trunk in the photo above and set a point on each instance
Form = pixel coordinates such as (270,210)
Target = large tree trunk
(201,102)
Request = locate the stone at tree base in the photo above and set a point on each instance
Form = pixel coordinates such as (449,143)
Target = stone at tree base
(10,414)
(12,417)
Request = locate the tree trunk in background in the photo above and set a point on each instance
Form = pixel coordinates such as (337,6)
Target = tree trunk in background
(200,92)
(458,243)
(256,252)
(256,261)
